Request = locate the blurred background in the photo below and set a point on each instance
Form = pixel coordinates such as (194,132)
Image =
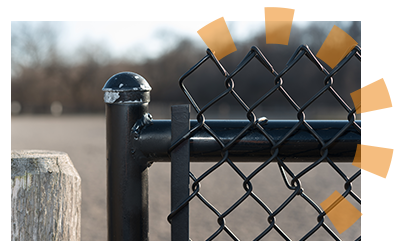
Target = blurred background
(59,69)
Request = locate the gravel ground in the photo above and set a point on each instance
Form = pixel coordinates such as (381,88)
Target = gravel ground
(83,138)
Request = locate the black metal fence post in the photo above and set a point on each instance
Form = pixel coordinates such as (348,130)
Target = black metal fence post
(126,96)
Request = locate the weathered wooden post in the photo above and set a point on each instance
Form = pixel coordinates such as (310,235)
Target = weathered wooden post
(45,196)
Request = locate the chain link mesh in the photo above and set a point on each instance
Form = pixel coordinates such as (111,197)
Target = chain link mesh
(291,180)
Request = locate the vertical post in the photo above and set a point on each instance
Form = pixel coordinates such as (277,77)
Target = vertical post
(180,167)
(126,96)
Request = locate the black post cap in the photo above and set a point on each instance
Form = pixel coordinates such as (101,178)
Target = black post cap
(126,88)
(126,81)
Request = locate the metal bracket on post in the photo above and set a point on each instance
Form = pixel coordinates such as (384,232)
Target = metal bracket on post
(180,167)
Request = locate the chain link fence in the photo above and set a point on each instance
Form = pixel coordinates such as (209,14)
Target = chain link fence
(278,157)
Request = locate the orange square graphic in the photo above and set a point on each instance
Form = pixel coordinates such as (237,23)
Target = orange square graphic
(218,39)
(278,32)
(375,160)
(278,24)
(372,97)
(340,211)
(336,46)
(278,14)
(376,96)
(356,97)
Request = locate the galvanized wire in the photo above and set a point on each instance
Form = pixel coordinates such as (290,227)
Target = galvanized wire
(291,180)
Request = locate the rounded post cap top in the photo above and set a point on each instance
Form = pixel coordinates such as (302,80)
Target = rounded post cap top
(126,81)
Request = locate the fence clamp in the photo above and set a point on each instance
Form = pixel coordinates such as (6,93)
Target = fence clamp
(140,124)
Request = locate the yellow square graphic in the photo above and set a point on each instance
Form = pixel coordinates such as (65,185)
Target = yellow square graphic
(336,46)
(340,211)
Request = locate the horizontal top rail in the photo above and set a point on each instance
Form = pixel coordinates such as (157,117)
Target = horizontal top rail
(155,140)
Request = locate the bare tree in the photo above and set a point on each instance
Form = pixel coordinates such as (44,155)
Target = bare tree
(33,44)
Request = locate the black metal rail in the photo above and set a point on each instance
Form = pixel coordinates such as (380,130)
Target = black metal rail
(155,141)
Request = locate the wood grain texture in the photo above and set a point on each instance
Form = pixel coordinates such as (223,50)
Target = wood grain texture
(45,197)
